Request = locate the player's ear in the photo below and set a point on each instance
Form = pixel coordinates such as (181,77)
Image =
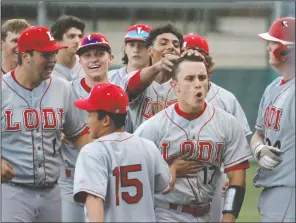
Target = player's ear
(150,51)
(111,58)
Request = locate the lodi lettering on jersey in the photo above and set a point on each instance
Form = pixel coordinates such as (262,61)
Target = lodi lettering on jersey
(272,117)
(151,107)
(204,151)
(32,118)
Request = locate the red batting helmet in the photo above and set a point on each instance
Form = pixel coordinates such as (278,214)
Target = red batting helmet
(137,32)
(282,31)
(193,40)
(93,39)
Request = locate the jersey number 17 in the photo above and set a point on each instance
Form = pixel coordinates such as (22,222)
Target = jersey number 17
(121,180)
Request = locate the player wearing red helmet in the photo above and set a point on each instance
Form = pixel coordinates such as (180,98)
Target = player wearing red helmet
(222,99)
(95,57)
(273,143)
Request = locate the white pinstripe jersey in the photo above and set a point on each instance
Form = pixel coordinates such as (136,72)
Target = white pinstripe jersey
(125,171)
(213,138)
(116,76)
(276,118)
(32,124)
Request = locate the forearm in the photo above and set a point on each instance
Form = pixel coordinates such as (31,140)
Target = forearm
(95,208)
(234,195)
(141,80)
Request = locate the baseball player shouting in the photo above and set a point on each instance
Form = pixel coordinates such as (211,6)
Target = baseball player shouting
(68,31)
(10,32)
(135,52)
(273,143)
(95,56)
(118,173)
(36,110)
(211,136)
(221,98)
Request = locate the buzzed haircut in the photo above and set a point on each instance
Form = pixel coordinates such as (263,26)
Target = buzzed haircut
(192,58)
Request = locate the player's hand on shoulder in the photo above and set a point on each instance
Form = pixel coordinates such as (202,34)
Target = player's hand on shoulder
(228,218)
(166,63)
(267,156)
(186,168)
(7,172)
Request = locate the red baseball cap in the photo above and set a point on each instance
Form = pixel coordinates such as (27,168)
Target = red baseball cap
(37,38)
(282,31)
(106,97)
(93,39)
(195,40)
(137,32)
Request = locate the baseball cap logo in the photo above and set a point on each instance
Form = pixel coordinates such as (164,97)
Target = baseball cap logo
(285,23)
(50,36)
(139,29)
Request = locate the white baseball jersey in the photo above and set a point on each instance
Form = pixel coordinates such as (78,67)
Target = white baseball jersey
(69,153)
(69,74)
(125,171)
(32,124)
(225,100)
(155,98)
(116,76)
(213,138)
(276,118)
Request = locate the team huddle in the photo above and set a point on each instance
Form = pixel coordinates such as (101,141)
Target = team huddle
(155,140)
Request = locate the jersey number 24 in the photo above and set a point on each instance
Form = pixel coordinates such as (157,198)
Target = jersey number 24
(121,180)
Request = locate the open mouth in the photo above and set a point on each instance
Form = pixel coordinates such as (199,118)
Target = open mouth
(94,67)
(49,68)
(199,95)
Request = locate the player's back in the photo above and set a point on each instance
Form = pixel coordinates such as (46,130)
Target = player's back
(131,167)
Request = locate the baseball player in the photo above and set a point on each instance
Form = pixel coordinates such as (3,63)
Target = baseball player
(10,33)
(273,143)
(221,98)
(118,173)
(211,136)
(68,31)
(36,109)
(149,89)
(95,56)
(135,52)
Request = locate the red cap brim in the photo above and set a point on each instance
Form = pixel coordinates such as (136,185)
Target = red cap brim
(50,48)
(85,104)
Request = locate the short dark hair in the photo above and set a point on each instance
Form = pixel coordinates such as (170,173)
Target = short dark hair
(118,119)
(65,22)
(168,28)
(193,58)
(20,59)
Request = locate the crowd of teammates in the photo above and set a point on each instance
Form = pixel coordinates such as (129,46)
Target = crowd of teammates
(158,125)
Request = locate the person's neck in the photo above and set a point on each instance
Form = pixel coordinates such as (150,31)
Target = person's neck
(184,107)
(163,77)
(111,130)
(21,75)
(66,59)
(288,73)
(92,82)
(8,64)
(130,67)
